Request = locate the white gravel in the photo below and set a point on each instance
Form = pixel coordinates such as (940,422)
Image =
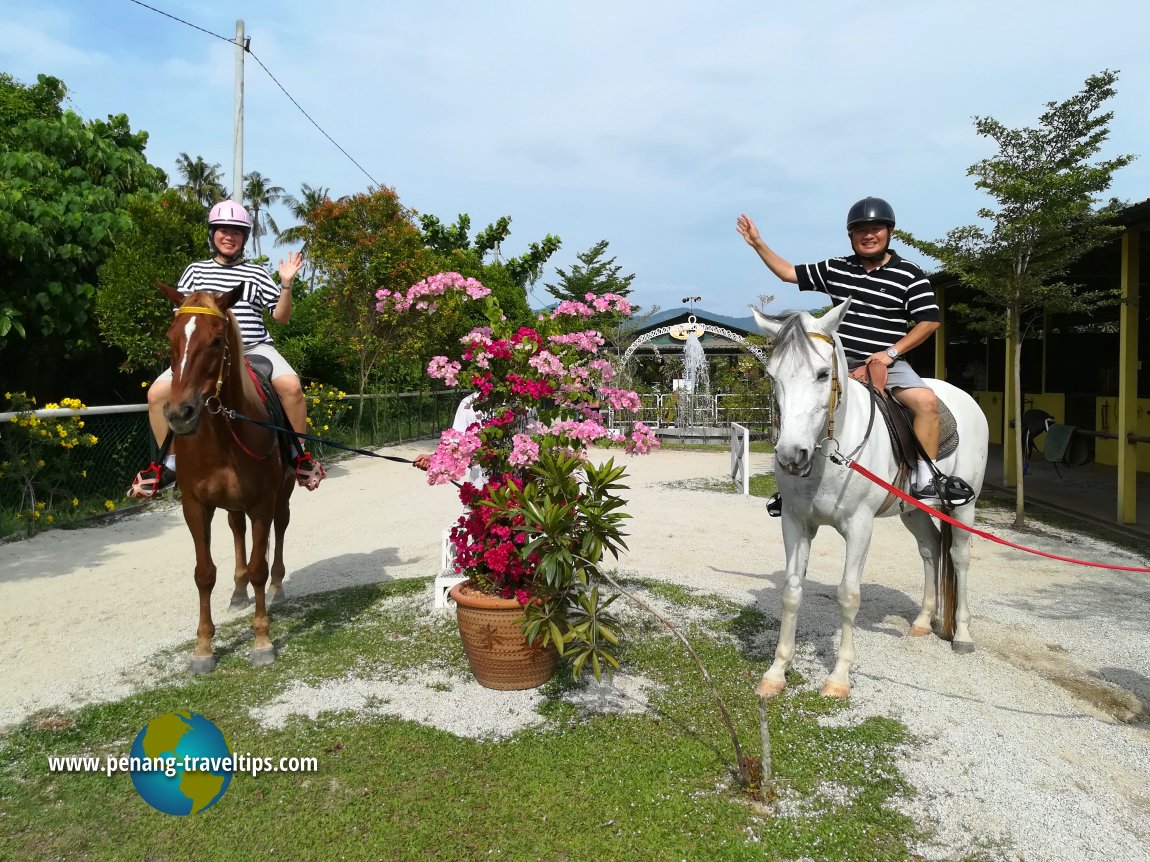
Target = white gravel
(1036,747)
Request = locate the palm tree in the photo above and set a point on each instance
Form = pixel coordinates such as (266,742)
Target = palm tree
(302,207)
(259,195)
(202,182)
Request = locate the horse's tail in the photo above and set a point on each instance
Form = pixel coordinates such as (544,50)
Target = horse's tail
(946,585)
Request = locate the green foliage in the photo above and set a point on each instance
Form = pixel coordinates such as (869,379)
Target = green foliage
(572,515)
(1045,185)
(65,185)
(163,236)
(358,246)
(40,478)
(591,275)
(325,405)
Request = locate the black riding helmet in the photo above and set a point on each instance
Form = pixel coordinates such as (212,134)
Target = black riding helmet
(871,210)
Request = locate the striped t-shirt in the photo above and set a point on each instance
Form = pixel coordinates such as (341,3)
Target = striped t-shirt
(882,300)
(260,292)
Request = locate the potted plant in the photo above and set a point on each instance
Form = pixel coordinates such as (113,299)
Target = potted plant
(536,533)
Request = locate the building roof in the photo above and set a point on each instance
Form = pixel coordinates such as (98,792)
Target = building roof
(741,325)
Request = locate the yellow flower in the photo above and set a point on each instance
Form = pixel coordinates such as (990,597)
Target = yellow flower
(41,506)
(83,474)
(144,385)
(40,463)
(109,505)
(50,518)
(75,502)
(324,427)
(35,516)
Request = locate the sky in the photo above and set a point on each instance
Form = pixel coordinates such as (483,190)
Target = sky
(651,125)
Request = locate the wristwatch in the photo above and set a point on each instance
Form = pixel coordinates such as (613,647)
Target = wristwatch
(892,353)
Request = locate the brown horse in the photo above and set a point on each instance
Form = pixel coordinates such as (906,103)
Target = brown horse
(224,463)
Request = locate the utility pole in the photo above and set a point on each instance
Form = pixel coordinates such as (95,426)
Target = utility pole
(238,127)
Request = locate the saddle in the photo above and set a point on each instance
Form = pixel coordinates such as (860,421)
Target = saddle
(260,370)
(899,421)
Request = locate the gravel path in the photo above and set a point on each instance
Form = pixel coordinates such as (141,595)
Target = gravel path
(1037,745)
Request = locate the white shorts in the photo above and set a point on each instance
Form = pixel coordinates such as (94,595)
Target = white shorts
(266,349)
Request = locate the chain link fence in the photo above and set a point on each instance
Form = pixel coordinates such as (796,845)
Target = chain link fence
(98,476)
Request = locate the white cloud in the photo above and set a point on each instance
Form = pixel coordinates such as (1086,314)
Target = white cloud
(649,124)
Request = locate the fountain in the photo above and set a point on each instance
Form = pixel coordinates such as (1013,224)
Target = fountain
(696,404)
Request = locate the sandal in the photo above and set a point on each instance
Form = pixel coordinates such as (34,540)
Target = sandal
(152,481)
(308,472)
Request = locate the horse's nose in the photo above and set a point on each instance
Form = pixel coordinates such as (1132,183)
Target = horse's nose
(182,418)
(795,460)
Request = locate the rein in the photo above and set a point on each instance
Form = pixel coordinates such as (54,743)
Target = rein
(217,407)
(935,513)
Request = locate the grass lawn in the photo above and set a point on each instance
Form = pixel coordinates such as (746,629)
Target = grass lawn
(655,784)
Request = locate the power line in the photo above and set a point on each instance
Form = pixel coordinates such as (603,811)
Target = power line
(182,21)
(274,80)
(305,113)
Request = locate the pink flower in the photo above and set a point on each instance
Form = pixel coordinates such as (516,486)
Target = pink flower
(524,451)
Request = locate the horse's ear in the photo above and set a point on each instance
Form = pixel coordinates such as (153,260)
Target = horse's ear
(233,296)
(173,295)
(767,324)
(830,321)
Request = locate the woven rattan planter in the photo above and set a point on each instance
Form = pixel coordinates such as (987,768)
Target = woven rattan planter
(492,636)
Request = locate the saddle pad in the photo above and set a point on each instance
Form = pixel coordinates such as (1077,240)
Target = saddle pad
(901,432)
(947,430)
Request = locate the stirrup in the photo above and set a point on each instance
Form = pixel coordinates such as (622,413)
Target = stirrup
(308,472)
(152,481)
(775,505)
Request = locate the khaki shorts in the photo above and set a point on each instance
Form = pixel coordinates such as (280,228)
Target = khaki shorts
(280,367)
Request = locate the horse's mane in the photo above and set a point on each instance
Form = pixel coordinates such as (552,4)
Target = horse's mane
(793,337)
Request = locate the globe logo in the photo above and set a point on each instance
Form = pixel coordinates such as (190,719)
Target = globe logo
(191,763)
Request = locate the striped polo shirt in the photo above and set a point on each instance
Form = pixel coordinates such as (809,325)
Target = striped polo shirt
(260,292)
(882,300)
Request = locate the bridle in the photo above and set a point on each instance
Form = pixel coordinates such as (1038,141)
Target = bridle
(829,446)
(213,403)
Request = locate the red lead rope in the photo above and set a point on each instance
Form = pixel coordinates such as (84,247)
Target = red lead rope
(935,513)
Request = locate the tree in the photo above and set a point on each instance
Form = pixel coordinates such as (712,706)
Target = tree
(361,244)
(1046,187)
(311,197)
(202,182)
(259,195)
(163,237)
(591,275)
(65,185)
(507,278)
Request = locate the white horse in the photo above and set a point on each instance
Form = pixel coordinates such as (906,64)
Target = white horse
(817,401)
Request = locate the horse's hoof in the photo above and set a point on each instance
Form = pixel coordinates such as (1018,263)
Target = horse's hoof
(202,664)
(919,631)
(962,646)
(276,598)
(836,689)
(238,603)
(261,657)
(769,687)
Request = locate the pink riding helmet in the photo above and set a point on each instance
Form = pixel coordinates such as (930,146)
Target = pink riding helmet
(228,213)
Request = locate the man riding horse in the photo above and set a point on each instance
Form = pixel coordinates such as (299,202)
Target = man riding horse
(885,292)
